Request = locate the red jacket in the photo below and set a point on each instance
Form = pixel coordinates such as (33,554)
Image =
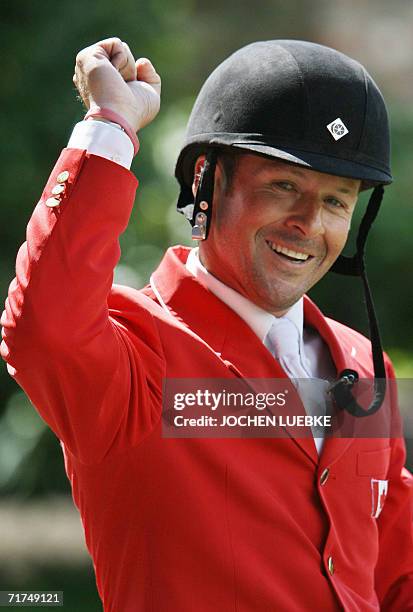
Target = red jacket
(177,525)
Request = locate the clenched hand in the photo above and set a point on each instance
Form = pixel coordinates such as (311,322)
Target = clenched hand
(107,75)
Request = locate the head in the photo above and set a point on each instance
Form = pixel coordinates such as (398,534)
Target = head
(311,130)
(276,227)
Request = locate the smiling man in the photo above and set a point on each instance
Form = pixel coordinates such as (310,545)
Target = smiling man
(282,137)
(277,229)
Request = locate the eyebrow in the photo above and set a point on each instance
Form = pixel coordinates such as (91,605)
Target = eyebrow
(298,172)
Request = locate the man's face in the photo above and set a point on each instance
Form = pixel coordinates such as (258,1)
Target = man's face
(277,230)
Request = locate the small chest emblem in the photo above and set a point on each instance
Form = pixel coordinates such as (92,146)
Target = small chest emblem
(337,129)
(379,490)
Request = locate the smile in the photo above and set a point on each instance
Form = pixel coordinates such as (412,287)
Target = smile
(294,256)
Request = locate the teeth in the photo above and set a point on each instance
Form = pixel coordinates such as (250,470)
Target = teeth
(279,249)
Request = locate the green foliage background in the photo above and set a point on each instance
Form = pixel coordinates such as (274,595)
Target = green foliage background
(185,39)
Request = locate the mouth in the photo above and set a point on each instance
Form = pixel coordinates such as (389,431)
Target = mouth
(296,257)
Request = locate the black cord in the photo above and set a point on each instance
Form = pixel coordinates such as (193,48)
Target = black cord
(355,266)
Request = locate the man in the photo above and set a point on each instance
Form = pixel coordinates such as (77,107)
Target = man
(217,523)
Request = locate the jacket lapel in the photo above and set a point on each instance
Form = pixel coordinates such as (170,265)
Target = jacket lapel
(343,358)
(234,341)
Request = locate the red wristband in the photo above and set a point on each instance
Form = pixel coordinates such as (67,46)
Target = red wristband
(110,115)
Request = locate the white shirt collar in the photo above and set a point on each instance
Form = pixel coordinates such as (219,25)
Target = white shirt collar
(256,318)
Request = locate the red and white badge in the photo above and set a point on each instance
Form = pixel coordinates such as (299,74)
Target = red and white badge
(379,490)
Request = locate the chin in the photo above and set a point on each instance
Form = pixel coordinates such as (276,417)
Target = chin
(274,302)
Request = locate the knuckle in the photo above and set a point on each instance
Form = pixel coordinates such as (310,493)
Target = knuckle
(107,41)
(80,57)
(93,70)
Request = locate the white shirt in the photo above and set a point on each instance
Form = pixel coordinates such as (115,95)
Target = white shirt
(105,139)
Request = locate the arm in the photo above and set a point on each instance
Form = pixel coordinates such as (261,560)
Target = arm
(76,363)
(394,571)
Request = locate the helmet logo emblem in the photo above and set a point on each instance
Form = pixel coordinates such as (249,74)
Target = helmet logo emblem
(337,129)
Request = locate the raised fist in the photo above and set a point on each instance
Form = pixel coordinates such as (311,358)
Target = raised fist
(107,75)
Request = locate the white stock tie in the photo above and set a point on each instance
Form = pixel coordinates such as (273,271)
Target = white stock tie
(283,341)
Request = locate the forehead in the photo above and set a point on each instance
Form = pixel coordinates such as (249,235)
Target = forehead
(260,166)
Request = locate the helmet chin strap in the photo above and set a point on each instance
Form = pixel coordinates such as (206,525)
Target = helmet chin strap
(355,266)
(200,214)
(202,208)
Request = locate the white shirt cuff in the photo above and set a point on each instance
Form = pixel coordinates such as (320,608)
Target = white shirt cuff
(103,139)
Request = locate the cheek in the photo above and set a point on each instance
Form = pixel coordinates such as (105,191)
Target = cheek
(236,220)
(266,208)
(337,236)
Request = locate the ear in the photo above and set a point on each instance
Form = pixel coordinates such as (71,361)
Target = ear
(199,164)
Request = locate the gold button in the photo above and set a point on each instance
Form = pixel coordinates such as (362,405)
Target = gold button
(330,564)
(63,176)
(324,476)
(52,202)
(58,189)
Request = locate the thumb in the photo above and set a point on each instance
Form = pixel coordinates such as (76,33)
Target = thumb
(146,72)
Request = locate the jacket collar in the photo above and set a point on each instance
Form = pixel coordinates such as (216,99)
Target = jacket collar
(230,337)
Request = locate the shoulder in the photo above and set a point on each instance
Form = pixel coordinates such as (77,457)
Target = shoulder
(127,299)
(138,309)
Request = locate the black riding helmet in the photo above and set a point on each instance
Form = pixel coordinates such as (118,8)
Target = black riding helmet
(306,104)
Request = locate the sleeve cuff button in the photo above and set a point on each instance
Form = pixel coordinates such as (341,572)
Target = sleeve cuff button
(63,176)
(57,189)
(52,202)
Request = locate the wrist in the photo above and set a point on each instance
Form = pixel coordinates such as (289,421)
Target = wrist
(102,120)
(110,116)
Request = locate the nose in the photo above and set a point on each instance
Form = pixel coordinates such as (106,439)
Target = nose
(306,216)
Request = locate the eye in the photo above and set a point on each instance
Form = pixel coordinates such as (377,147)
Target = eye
(284,185)
(334,202)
